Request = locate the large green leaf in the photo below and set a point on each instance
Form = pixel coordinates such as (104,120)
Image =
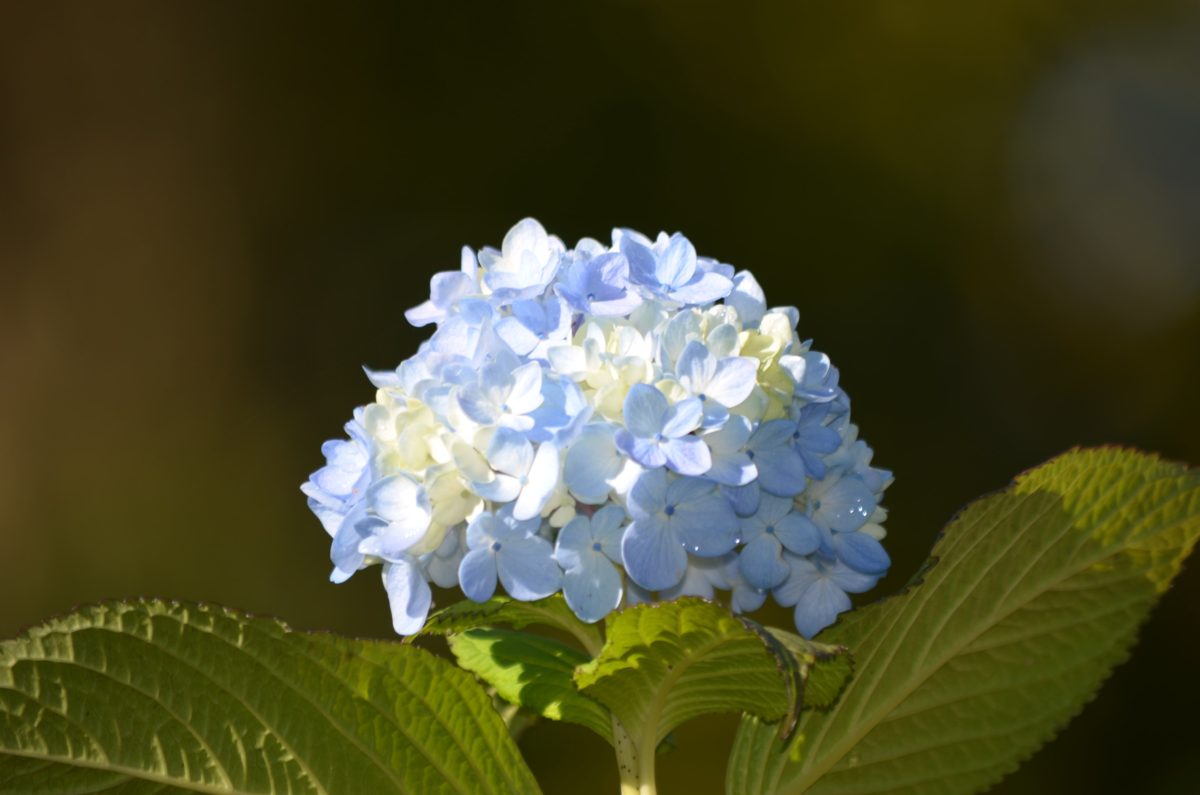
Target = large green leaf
(155,697)
(1034,594)
(533,672)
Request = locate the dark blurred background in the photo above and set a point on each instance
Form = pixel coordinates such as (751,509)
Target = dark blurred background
(212,213)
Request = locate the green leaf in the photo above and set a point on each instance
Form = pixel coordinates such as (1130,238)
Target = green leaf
(551,612)
(1034,595)
(533,672)
(155,697)
(668,662)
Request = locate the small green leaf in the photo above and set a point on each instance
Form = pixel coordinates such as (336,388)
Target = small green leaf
(533,672)
(668,662)
(156,697)
(1033,596)
(500,610)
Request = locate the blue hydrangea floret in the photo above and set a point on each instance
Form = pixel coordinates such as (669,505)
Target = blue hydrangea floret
(622,423)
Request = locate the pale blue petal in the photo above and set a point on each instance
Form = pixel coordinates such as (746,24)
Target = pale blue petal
(510,452)
(746,598)
(591,462)
(772,434)
(649,494)
(733,381)
(383,379)
(507,528)
(876,479)
(798,533)
(574,543)
(781,471)
(538,316)
(516,336)
(423,314)
(527,569)
(846,506)
(345,461)
(542,481)
(773,508)
(408,595)
(861,552)
(704,289)
(732,469)
(501,488)
(707,527)
(761,562)
(748,299)
(677,263)
(606,522)
(684,490)
(608,529)
(467,263)
(563,414)
(453,336)
(526,393)
(525,235)
(852,581)
(642,262)
(654,558)
(617,306)
(593,590)
(403,503)
(744,499)
(611,273)
(343,472)
(449,286)
(710,265)
(644,410)
(343,552)
(388,543)
(702,578)
(481,530)
(646,452)
(636,594)
(695,367)
(331,517)
(682,418)
(476,404)
(804,573)
(477,574)
(819,607)
(715,415)
(722,341)
(518,422)
(442,564)
(688,455)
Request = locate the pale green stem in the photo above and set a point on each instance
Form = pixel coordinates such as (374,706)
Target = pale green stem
(636,778)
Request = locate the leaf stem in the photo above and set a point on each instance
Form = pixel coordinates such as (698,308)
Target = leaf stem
(636,778)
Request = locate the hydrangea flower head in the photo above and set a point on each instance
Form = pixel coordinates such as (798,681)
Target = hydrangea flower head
(620,422)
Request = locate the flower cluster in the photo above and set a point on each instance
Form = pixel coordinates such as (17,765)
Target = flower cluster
(621,423)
